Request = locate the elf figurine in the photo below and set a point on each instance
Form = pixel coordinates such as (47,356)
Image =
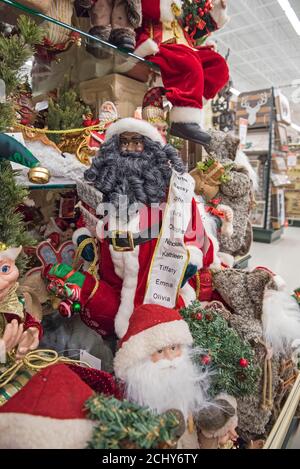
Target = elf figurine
(153,110)
(189,73)
(18,329)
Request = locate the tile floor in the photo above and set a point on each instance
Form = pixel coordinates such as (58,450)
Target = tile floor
(282,257)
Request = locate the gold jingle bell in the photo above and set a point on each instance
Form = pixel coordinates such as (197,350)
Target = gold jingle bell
(39,175)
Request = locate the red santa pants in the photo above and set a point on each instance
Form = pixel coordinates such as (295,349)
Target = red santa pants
(190,74)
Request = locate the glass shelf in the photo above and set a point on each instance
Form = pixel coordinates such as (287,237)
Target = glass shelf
(75,62)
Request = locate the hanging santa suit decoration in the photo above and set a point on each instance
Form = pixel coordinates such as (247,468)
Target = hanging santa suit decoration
(189,73)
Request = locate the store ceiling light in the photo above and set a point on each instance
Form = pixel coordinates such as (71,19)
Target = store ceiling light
(291,14)
(235,92)
(296,127)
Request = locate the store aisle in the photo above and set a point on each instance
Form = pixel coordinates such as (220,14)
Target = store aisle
(282,257)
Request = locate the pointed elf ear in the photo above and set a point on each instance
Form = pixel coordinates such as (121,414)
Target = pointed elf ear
(14,151)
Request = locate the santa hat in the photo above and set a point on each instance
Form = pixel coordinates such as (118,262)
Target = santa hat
(151,328)
(153,108)
(48,413)
(134,125)
(9,252)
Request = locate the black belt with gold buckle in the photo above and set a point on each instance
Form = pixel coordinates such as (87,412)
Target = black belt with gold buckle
(124,241)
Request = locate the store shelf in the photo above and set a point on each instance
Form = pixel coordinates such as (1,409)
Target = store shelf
(256,152)
(77,62)
(242,262)
(294,222)
(261,235)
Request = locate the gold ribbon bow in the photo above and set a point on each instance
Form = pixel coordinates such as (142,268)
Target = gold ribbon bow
(36,361)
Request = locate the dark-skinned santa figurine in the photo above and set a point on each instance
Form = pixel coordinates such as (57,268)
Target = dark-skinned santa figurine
(189,73)
(151,235)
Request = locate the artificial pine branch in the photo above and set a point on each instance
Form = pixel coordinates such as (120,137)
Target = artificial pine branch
(224,349)
(66,112)
(123,424)
(15,50)
(12,227)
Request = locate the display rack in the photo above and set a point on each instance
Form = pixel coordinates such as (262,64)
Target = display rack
(292,193)
(267,152)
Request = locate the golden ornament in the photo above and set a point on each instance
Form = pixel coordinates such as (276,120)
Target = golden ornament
(39,175)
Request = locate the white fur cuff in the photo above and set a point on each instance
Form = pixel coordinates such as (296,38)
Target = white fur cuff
(187,115)
(196,256)
(149,47)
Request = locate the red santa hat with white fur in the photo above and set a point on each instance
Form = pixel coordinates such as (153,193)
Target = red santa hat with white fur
(151,328)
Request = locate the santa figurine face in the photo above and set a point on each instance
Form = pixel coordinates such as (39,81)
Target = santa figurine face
(167,353)
(131,142)
(162,127)
(8,275)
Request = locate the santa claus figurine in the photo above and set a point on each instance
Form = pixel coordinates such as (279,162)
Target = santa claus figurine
(151,236)
(154,362)
(150,232)
(189,73)
(108,114)
(18,329)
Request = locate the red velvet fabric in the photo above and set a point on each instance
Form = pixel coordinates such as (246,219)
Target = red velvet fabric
(100,381)
(190,74)
(100,310)
(30,321)
(55,392)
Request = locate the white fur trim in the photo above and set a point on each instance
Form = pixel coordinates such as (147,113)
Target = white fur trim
(118,261)
(280,282)
(219,14)
(187,115)
(227,259)
(148,47)
(242,159)
(10,253)
(142,345)
(80,232)
(23,431)
(188,294)
(281,320)
(196,256)
(130,282)
(139,126)
(166,13)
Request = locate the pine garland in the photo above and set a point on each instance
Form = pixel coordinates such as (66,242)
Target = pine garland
(231,358)
(14,52)
(126,425)
(12,227)
(66,112)
(197,19)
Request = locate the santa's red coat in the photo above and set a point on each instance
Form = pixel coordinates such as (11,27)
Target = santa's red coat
(109,302)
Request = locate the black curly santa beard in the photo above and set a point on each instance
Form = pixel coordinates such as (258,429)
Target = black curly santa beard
(141,177)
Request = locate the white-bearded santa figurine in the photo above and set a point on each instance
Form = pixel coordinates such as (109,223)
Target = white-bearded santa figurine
(150,232)
(156,366)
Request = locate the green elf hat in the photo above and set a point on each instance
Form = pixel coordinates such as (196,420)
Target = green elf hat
(12,150)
